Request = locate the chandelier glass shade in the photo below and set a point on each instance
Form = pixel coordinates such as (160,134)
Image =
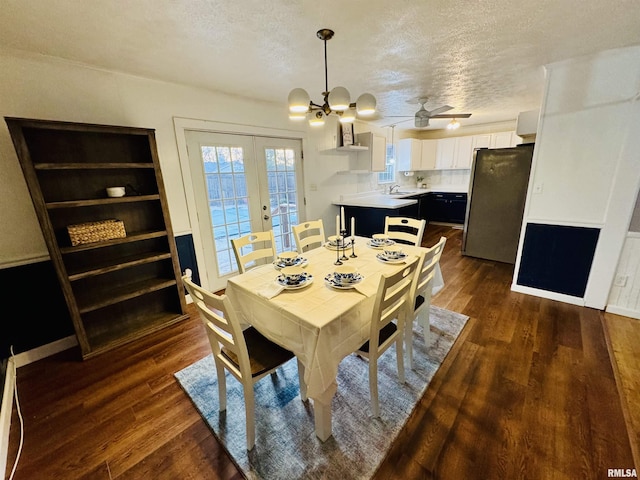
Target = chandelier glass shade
(336,101)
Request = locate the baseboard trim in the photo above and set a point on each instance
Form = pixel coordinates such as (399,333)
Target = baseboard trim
(625,312)
(536,292)
(38,353)
(6,411)
(458,226)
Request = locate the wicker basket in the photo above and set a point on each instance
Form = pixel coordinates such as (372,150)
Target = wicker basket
(96,231)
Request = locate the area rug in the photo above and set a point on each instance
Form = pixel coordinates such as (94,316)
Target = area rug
(286,445)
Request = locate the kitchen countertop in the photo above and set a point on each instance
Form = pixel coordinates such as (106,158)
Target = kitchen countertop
(383,200)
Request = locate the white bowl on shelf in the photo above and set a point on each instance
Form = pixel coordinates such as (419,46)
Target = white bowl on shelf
(115,192)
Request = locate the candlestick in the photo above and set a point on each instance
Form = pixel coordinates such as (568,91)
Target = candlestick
(353,228)
(353,248)
(342,218)
(337,225)
(343,233)
(337,262)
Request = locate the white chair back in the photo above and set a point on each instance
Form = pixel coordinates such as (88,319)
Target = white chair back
(428,262)
(392,302)
(246,354)
(254,249)
(222,328)
(309,235)
(421,294)
(405,229)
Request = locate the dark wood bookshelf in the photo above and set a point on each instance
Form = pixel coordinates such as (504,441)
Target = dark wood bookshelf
(117,290)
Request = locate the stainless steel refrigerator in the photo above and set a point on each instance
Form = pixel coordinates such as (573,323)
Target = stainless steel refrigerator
(497,192)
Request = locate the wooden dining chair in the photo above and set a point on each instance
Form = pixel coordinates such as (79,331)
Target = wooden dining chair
(393,302)
(405,230)
(308,235)
(421,294)
(254,249)
(247,355)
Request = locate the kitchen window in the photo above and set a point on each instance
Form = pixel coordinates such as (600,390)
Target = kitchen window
(389,175)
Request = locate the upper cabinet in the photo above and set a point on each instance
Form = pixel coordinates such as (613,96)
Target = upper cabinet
(446,152)
(463,153)
(454,153)
(369,155)
(449,153)
(482,141)
(415,155)
(409,157)
(375,158)
(504,140)
(429,155)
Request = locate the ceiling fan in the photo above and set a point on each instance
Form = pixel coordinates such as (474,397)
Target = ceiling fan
(422,116)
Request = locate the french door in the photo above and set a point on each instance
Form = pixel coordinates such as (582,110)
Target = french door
(243,184)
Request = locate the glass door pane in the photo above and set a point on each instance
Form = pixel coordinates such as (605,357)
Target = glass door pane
(228,202)
(242,184)
(281,174)
(223,175)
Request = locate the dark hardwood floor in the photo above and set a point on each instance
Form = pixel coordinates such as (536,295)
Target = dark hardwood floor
(533,389)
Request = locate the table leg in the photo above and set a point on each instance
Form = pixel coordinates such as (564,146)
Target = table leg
(322,412)
(303,385)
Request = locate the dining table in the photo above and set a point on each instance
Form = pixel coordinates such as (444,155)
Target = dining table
(320,323)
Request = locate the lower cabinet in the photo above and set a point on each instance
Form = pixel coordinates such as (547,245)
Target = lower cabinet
(433,207)
(370,220)
(446,207)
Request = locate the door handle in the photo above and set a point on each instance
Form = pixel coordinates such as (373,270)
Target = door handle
(266,217)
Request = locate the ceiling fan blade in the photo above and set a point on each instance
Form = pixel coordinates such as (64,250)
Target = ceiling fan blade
(444,108)
(452,115)
(398,116)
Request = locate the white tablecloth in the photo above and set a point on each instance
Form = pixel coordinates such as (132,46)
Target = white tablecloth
(320,324)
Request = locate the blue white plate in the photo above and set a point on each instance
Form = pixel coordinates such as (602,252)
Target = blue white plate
(334,247)
(332,282)
(382,245)
(384,259)
(305,279)
(298,262)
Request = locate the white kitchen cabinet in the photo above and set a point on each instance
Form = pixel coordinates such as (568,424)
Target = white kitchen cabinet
(375,158)
(481,141)
(369,156)
(429,154)
(463,153)
(448,153)
(445,153)
(409,156)
(504,140)
(454,153)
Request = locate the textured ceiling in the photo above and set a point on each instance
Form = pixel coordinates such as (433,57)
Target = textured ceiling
(485,57)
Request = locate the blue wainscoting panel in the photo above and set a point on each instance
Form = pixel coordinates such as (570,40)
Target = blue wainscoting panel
(557,258)
(34,312)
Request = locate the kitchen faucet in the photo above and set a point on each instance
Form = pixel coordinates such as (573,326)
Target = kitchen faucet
(392,187)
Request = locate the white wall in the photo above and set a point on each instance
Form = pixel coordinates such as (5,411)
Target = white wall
(587,156)
(624,299)
(45,88)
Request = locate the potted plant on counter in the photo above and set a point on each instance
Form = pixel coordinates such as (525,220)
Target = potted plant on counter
(419,181)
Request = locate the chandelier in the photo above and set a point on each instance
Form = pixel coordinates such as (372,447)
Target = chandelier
(336,101)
